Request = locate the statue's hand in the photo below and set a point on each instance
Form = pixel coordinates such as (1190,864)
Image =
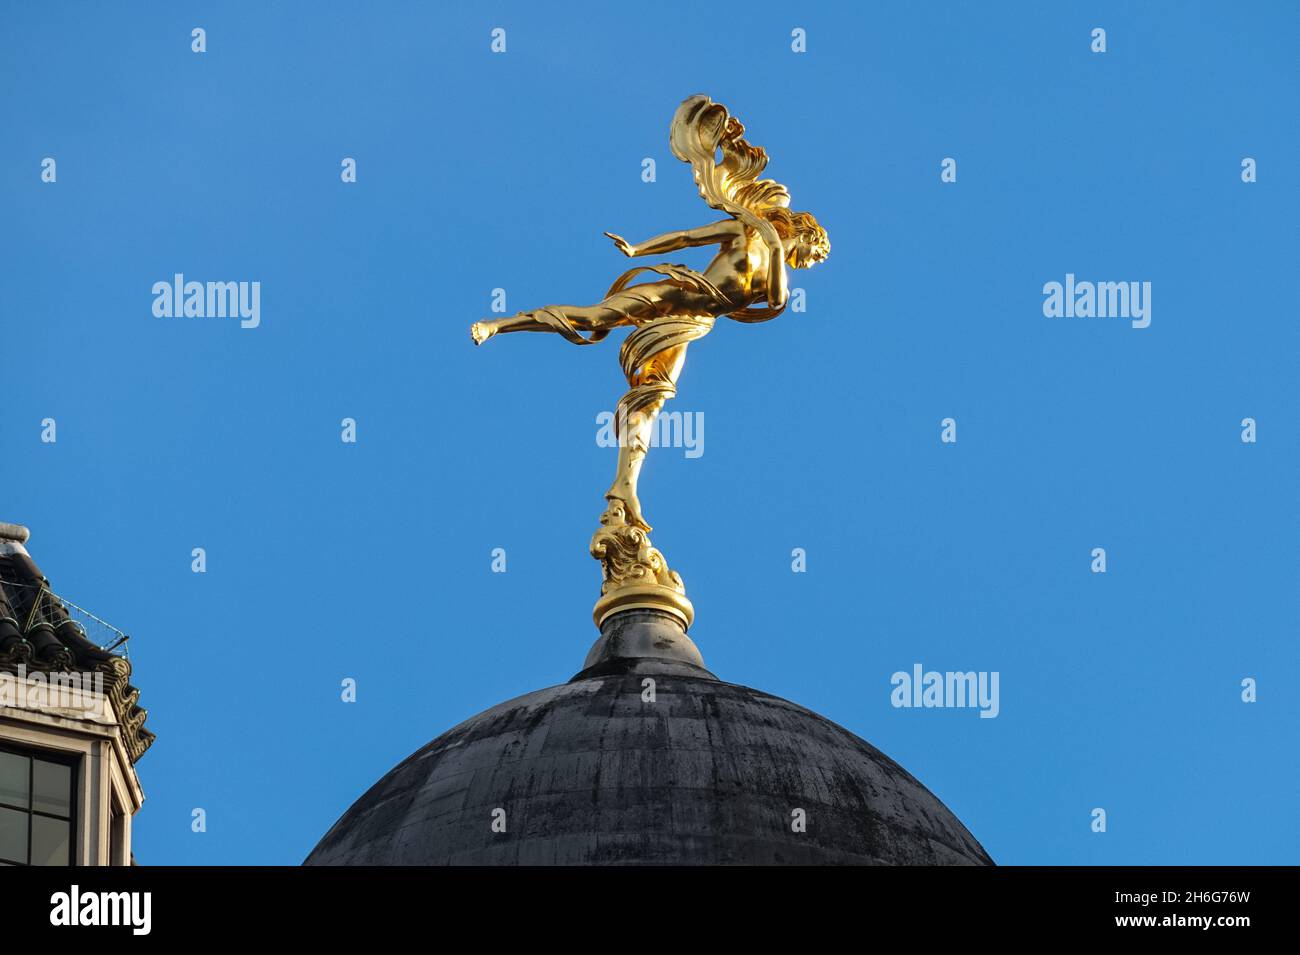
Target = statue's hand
(624,246)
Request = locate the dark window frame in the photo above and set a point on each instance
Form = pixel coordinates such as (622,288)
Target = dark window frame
(73,761)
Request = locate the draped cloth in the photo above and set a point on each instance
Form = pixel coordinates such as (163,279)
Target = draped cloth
(663,326)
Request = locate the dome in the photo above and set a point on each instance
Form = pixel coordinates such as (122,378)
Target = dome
(646,757)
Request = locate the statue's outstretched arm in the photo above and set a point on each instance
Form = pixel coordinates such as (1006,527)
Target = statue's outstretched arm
(714,234)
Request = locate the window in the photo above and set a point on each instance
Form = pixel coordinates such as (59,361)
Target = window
(36,804)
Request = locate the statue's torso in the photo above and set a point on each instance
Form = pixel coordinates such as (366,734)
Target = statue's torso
(740,268)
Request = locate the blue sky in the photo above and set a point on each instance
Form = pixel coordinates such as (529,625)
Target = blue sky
(479,171)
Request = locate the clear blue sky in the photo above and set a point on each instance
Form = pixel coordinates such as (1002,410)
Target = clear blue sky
(478,171)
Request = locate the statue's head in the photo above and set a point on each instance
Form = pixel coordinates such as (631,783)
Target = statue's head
(806,242)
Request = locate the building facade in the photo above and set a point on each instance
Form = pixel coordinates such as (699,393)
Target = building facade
(71,728)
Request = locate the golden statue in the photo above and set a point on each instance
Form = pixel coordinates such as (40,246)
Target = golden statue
(745,281)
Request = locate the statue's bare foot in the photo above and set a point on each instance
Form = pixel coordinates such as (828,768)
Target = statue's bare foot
(482,331)
(623,492)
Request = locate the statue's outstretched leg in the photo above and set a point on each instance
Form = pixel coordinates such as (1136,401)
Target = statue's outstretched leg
(523,322)
(634,421)
(587,318)
(622,308)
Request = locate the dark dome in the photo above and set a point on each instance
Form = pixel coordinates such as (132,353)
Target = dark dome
(589,772)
